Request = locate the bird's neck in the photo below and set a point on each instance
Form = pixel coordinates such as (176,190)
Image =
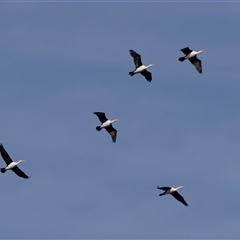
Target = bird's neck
(20,161)
(150,65)
(177,188)
(114,120)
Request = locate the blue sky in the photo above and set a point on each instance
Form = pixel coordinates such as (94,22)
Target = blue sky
(62,61)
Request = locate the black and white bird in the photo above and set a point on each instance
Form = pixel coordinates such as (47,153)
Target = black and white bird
(11,164)
(192,57)
(107,124)
(140,68)
(173,192)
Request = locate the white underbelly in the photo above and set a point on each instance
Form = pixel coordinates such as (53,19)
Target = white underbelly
(10,166)
(106,124)
(140,69)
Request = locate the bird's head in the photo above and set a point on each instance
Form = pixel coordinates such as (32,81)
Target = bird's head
(20,161)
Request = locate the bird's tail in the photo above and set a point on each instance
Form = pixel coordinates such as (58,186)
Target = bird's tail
(3,170)
(131,73)
(181,59)
(98,128)
(161,194)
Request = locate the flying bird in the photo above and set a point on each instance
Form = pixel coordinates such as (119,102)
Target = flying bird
(107,124)
(140,68)
(11,164)
(173,192)
(192,57)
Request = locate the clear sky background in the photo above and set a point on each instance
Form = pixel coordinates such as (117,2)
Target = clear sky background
(60,62)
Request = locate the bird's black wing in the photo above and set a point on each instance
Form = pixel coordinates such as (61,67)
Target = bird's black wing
(179,198)
(163,188)
(5,155)
(147,75)
(136,58)
(113,132)
(101,116)
(186,50)
(197,63)
(19,172)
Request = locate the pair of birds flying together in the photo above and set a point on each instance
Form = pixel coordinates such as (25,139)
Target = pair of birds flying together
(11,165)
(107,124)
(142,69)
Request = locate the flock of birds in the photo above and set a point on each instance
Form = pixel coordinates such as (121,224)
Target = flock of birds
(107,124)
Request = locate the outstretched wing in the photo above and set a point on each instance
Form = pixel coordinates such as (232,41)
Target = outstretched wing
(101,116)
(113,132)
(5,155)
(163,188)
(197,63)
(186,50)
(179,198)
(147,75)
(136,58)
(19,172)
